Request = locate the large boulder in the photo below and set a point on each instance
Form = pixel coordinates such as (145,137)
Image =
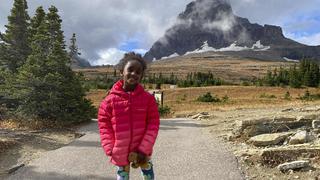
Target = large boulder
(263,125)
(293,165)
(269,139)
(272,157)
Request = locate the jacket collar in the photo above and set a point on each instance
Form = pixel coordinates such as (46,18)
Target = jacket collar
(117,89)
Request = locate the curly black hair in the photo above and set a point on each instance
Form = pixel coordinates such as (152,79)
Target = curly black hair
(129,57)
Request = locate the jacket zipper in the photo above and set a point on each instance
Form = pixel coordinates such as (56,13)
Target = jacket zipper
(130,119)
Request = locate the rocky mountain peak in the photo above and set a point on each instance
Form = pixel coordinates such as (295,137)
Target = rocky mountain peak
(213,22)
(205,10)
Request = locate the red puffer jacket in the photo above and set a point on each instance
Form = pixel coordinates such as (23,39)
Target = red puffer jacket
(128,122)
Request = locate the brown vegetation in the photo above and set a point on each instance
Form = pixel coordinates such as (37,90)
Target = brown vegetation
(231,69)
(183,100)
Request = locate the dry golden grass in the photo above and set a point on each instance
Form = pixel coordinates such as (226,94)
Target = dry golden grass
(96,96)
(229,68)
(31,124)
(183,100)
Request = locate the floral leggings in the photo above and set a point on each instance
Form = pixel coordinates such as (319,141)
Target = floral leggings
(123,172)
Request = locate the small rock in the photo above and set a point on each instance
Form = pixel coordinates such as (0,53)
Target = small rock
(11,170)
(309,109)
(16,167)
(204,113)
(290,171)
(293,165)
(230,137)
(288,109)
(196,116)
(316,131)
(296,177)
(203,117)
(299,138)
(316,124)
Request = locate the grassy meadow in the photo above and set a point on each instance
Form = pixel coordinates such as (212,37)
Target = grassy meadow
(184,100)
(229,68)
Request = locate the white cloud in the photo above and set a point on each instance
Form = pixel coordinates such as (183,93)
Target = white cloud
(273,11)
(312,39)
(112,56)
(224,23)
(140,51)
(105,24)
(102,24)
(109,56)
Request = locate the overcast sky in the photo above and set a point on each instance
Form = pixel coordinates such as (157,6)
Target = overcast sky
(106,29)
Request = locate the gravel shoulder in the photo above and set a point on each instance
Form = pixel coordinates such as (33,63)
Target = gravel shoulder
(224,122)
(19,147)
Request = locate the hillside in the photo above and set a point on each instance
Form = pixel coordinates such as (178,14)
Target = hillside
(229,67)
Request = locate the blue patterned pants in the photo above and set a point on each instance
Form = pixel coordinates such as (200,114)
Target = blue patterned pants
(124,171)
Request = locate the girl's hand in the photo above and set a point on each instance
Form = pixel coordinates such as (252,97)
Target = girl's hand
(141,158)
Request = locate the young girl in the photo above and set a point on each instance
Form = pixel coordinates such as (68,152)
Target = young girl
(128,119)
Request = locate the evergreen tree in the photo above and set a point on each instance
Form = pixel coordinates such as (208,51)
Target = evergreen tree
(269,78)
(50,90)
(314,73)
(54,27)
(307,78)
(36,21)
(294,77)
(14,43)
(74,50)
(304,67)
(114,73)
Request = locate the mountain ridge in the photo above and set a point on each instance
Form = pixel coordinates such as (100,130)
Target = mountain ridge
(214,22)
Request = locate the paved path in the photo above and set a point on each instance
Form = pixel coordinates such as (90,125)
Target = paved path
(183,151)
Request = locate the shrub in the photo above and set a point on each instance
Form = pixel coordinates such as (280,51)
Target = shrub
(208,98)
(245,83)
(181,98)
(3,111)
(225,98)
(310,97)
(158,86)
(165,110)
(287,96)
(264,95)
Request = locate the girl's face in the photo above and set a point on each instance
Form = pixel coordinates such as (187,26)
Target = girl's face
(132,74)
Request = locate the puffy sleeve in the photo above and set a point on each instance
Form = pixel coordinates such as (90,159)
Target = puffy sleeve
(105,127)
(151,133)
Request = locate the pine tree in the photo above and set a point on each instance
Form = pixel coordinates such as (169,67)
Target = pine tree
(314,73)
(269,80)
(54,27)
(307,78)
(15,46)
(304,66)
(50,90)
(36,21)
(114,73)
(294,77)
(74,50)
